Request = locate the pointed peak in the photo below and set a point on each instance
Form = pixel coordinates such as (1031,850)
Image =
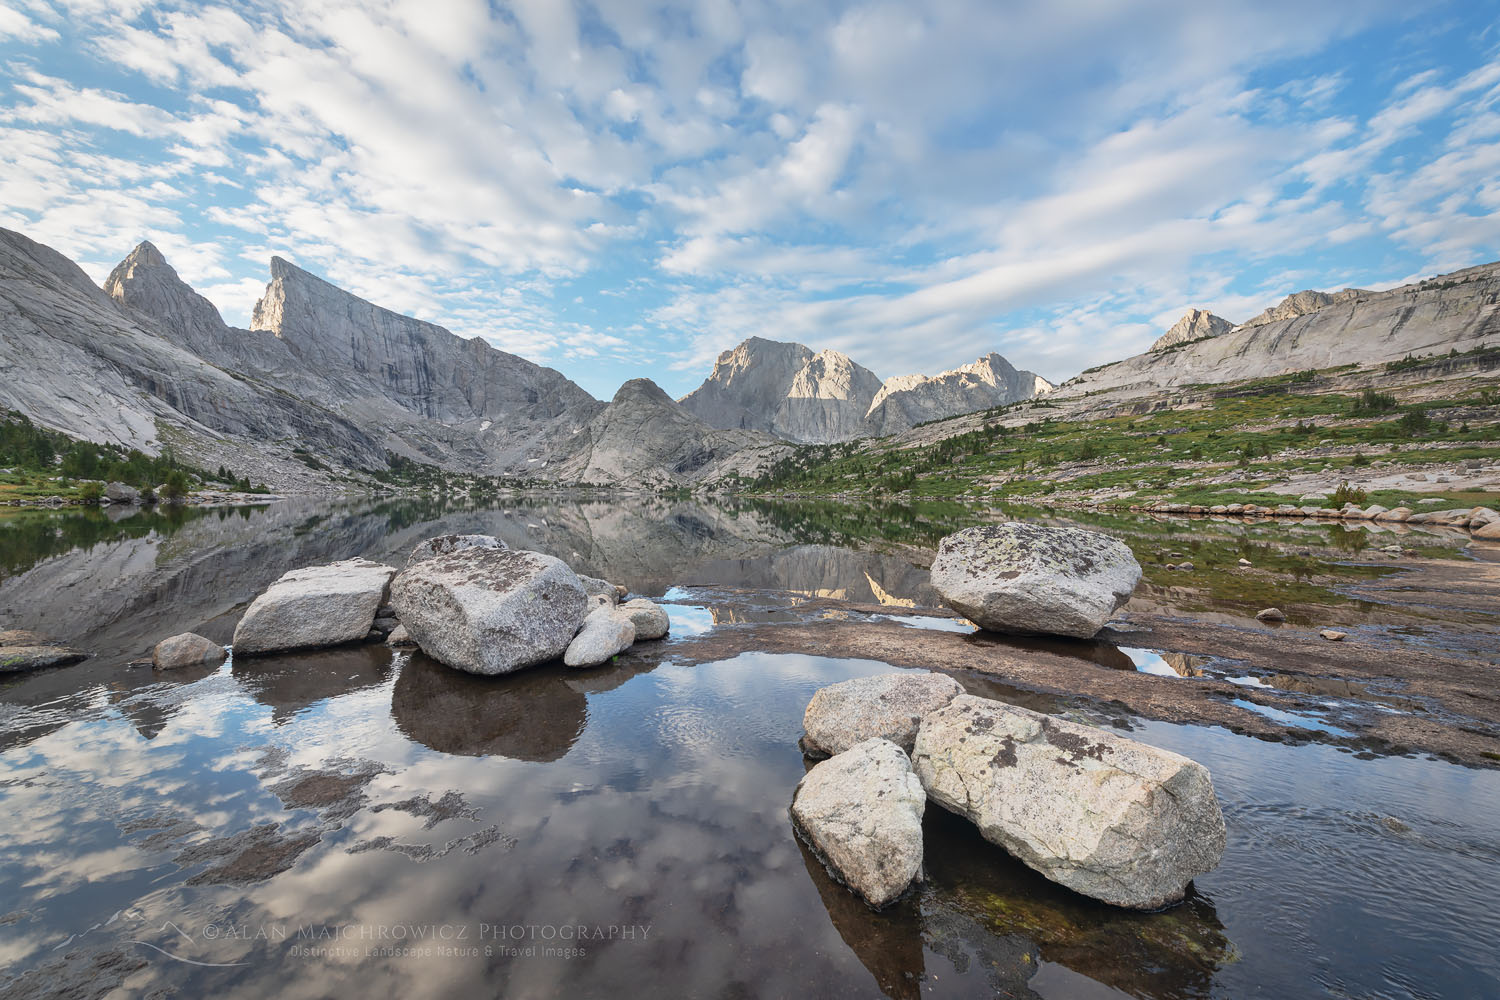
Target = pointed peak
(145,252)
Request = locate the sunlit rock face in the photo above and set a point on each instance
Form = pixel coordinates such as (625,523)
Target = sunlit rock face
(798,395)
(1196,324)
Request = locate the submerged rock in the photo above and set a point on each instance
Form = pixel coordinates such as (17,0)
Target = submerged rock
(1106,816)
(490,611)
(650,619)
(1333,635)
(605,633)
(187,650)
(21,651)
(890,706)
(315,606)
(442,544)
(861,811)
(1028,578)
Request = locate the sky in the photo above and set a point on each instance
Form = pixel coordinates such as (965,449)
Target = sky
(627,188)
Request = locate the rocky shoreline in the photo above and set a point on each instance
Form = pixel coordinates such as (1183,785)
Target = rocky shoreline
(1482,522)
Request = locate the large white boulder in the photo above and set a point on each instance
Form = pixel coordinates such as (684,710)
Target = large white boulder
(490,611)
(861,811)
(890,706)
(314,606)
(1028,578)
(1104,815)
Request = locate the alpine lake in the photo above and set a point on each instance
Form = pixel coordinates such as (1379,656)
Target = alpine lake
(364,821)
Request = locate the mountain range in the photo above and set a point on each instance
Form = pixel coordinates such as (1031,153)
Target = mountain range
(323,376)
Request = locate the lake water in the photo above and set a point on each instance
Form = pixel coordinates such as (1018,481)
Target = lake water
(366,822)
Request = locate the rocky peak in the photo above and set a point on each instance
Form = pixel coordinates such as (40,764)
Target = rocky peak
(1306,301)
(642,390)
(1194,325)
(145,282)
(906,400)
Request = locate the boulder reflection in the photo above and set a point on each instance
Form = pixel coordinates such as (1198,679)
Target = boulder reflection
(531,715)
(988,915)
(289,683)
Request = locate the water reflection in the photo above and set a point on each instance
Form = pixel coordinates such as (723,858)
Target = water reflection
(533,715)
(288,684)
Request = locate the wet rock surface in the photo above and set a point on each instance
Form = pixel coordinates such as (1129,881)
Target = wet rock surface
(187,650)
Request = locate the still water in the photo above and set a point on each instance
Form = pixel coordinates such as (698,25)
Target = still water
(359,821)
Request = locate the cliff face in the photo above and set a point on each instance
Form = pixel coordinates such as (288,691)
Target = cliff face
(787,390)
(1458,311)
(1195,325)
(73,359)
(1307,301)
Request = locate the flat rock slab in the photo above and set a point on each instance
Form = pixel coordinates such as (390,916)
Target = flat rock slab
(490,611)
(315,606)
(889,706)
(1106,816)
(35,654)
(861,811)
(1033,579)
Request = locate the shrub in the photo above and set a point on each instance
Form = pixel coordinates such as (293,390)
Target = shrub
(89,491)
(1348,494)
(1371,401)
(1416,421)
(1359,459)
(176,485)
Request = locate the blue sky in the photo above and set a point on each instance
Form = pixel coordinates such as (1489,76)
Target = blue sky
(627,188)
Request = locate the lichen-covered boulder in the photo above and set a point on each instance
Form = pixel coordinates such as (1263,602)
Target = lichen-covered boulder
(490,611)
(605,632)
(314,606)
(21,650)
(650,619)
(442,544)
(890,706)
(1104,815)
(187,650)
(861,812)
(1034,579)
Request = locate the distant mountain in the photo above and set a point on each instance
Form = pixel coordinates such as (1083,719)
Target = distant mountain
(907,400)
(786,390)
(1196,324)
(1458,311)
(644,438)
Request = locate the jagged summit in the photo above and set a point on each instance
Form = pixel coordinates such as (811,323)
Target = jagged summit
(1306,301)
(642,389)
(907,400)
(1194,325)
(145,282)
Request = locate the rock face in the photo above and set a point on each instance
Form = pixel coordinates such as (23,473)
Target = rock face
(798,395)
(604,634)
(1196,324)
(443,544)
(1027,578)
(650,619)
(643,438)
(861,811)
(907,400)
(1106,816)
(490,611)
(315,606)
(888,706)
(187,650)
